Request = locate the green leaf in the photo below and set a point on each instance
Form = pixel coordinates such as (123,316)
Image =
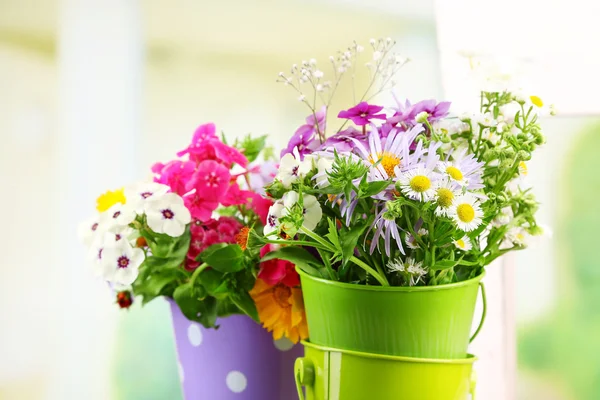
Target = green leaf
(333,234)
(297,256)
(251,147)
(372,188)
(226,307)
(224,257)
(445,264)
(195,306)
(212,280)
(349,239)
(245,303)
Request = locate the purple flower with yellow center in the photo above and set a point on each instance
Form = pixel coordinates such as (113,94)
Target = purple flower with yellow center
(362,113)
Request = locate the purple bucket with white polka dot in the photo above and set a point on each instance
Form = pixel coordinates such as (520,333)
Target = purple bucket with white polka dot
(239,361)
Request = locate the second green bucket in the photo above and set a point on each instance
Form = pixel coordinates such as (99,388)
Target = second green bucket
(424,321)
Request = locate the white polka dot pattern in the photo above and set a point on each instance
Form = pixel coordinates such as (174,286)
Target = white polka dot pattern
(283,344)
(194,335)
(236,381)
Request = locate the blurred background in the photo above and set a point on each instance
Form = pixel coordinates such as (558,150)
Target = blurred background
(92,92)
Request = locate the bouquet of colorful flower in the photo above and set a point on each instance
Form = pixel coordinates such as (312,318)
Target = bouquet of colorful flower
(178,236)
(407,195)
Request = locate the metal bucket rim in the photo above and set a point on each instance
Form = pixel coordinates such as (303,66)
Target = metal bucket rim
(353,286)
(470,359)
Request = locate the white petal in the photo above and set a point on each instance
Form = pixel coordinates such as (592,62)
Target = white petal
(155,221)
(173,228)
(290,198)
(182,214)
(312,217)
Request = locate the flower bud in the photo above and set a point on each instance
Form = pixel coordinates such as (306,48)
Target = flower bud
(523,155)
(422,117)
(506,164)
(124,299)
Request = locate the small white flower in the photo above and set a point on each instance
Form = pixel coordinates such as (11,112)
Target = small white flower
(396,265)
(331,58)
(290,169)
(319,88)
(324,166)
(318,74)
(275,212)
(516,236)
(422,117)
(418,183)
(311,208)
(118,215)
(372,41)
(449,126)
(312,61)
(139,194)
(466,212)
(463,243)
(377,55)
(503,218)
(359,48)
(301,97)
(341,70)
(422,232)
(89,229)
(501,127)
(416,270)
(120,262)
(168,215)
(389,40)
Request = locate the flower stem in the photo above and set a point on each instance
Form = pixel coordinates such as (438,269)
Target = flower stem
(197,272)
(380,278)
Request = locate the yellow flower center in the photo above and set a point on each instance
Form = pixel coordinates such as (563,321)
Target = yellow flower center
(522,168)
(536,101)
(444,197)
(388,161)
(465,212)
(109,199)
(420,183)
(520,236)
(460,243)
(454,173)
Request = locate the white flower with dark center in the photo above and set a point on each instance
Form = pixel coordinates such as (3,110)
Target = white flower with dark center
(466,213)
(89,229)
(168,215)
(463,243)
(275,212)
(120,262)
(292,169)
(311,208)
(118,215)
(140,194)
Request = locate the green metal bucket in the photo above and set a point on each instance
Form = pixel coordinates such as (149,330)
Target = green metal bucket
(424,321)
(330,374)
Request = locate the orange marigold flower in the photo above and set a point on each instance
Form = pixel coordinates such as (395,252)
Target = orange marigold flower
(242,237)
(281,310)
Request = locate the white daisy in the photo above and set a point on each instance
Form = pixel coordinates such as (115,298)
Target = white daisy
(140,194)
(464,170)
(120,262)
(463,243)
(516,236)
(466,212)
(445,193)
(523,168)
(292,169)
(167,214)
(311,208)
(275,212)
(418,183)
(396,265)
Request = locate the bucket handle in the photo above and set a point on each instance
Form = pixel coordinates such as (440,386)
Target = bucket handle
(483,313)
(304,374)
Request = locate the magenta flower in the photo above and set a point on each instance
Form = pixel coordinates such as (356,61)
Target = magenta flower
(236,197)
(304,138)
(200,208)
(174,174)
(211,180)
(362,113)
(207,146)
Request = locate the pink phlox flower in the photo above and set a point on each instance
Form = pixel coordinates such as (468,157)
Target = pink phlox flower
(211,180)
(362,113)
(174,174)
(200,208)
(207,146)
(236,197)
(210,232)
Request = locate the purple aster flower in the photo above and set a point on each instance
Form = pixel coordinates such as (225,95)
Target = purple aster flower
(304,138)
(406,112)
(260,174)
(342,141)
(362,113)
(386,229)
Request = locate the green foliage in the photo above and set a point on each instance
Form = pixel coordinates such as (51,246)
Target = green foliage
(251,147)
